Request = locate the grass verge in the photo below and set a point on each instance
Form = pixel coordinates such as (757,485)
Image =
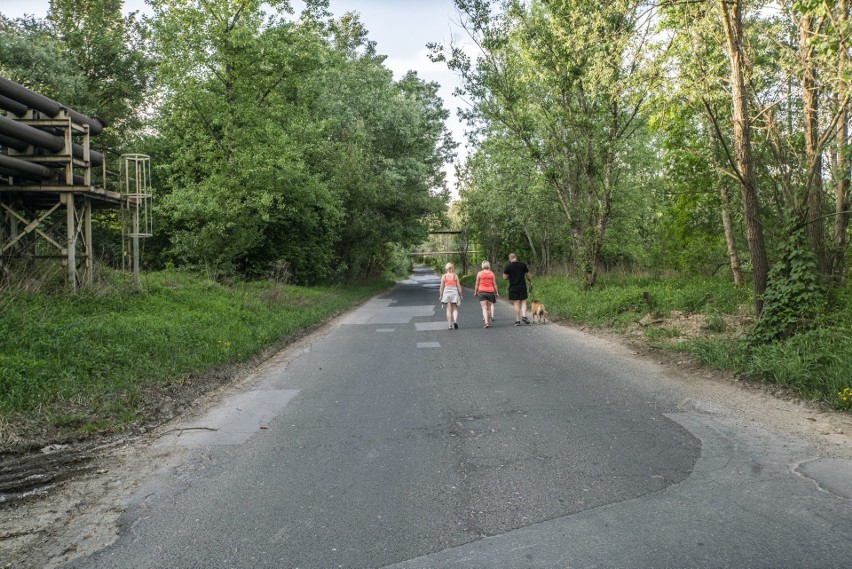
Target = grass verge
(816,364)
(96,362)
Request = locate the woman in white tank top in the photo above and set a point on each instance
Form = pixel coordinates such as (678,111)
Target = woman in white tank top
(451,295)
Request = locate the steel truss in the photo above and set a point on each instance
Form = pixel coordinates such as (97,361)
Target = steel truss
(48,186)
(48,232)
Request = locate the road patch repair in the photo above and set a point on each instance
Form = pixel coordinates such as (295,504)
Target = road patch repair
(233,422)
(430,326)
(382,311)
(736,483)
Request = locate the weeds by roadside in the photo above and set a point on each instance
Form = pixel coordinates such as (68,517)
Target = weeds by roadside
(816,363)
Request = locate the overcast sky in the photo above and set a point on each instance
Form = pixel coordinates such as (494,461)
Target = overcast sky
(400,28)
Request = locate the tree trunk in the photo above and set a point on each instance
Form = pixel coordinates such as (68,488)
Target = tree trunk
(605,208)
(531,243)
(813,155)
(841,198)
(725,199)
(736,268)
(597,241)
(732,21)
(841,187)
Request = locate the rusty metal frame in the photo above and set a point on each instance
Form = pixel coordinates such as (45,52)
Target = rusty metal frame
(53,136)
(136,214)
(68,234)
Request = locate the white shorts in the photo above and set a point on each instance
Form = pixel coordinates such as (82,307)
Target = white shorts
(451,295)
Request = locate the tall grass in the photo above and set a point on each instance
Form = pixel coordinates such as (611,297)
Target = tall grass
(617,302)
(86,360)
(817,363)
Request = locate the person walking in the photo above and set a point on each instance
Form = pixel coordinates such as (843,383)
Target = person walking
(486,290)
(450,294)
(518,274)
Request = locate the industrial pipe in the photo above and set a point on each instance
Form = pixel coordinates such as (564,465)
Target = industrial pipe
(30,134)
(10,142)
(26,133)
(15,107)
(95,157)
(41,103)
(24,168)
(29,98)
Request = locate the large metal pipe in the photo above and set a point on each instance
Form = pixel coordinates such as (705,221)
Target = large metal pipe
(45,175)
(25,168)
(31,135)
(45,105)
(15,107)
(95,157)
(34,100)
(10,142)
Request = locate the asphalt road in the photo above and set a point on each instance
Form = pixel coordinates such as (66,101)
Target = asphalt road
(392,442)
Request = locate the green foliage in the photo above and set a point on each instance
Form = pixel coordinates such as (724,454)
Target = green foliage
(74,358)
(815,362)
(714,323)
(657,336)
(399,263)
(617,302)
(86,55)
(274,141)
(508,206)
(108,49)
(289,142)
(718,352)
(32,56)
(795,295)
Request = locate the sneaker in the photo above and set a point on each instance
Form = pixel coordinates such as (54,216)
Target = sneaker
(517,322)
(525,319)
(455,325)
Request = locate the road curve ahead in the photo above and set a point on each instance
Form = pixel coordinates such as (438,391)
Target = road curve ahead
(393,442)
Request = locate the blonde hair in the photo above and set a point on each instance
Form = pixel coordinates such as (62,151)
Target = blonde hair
(486,265)
(448,267)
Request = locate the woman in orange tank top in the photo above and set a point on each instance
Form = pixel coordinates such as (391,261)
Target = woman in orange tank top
(486,290)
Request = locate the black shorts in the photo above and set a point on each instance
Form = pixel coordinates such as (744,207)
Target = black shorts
(517,292)
(489,296)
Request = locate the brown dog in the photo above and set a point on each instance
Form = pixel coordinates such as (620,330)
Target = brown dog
(539,313)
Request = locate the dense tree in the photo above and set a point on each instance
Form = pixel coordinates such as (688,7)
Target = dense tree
(605,133)
(32,56)
(236,193)
(566,82)
(643,119)
(288,143)
(108,49)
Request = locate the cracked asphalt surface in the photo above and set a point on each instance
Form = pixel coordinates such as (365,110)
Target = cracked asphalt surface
(391,441)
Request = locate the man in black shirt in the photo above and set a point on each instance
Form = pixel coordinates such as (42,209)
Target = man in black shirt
(518,274)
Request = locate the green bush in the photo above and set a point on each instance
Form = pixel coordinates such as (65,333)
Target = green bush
(794,294)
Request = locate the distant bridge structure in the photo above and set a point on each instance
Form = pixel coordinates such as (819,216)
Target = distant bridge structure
(51,180)
(446,246)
